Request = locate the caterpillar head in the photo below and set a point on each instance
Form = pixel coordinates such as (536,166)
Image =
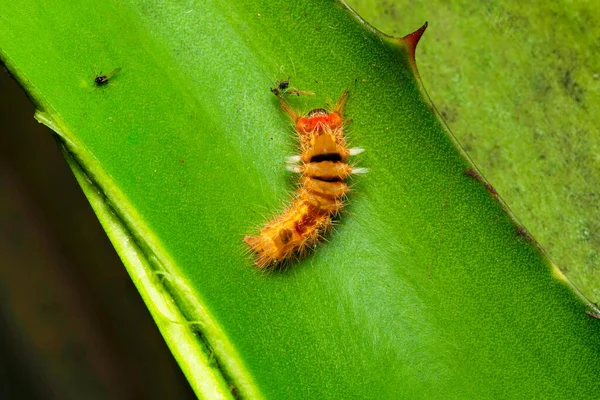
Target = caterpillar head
(318,120)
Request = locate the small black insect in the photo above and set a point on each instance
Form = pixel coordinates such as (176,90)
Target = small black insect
(281,88)
(283,85)
(102,80)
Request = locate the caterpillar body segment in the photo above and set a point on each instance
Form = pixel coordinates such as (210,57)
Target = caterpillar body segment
(323,166)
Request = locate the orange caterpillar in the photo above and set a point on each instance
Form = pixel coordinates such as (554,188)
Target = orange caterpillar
(323,166)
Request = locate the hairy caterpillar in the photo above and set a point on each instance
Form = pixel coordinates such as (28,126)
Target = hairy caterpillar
(323,166)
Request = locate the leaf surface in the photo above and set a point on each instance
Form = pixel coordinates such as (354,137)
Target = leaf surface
(427,288)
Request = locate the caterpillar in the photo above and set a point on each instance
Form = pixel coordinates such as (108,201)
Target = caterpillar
(323,167)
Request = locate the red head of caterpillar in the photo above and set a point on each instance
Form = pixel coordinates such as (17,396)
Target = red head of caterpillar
(323,167)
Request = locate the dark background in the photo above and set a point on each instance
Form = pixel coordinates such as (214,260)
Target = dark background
(72,324)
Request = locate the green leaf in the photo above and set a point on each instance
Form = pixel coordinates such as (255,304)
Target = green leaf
(427,288)
(521,95)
